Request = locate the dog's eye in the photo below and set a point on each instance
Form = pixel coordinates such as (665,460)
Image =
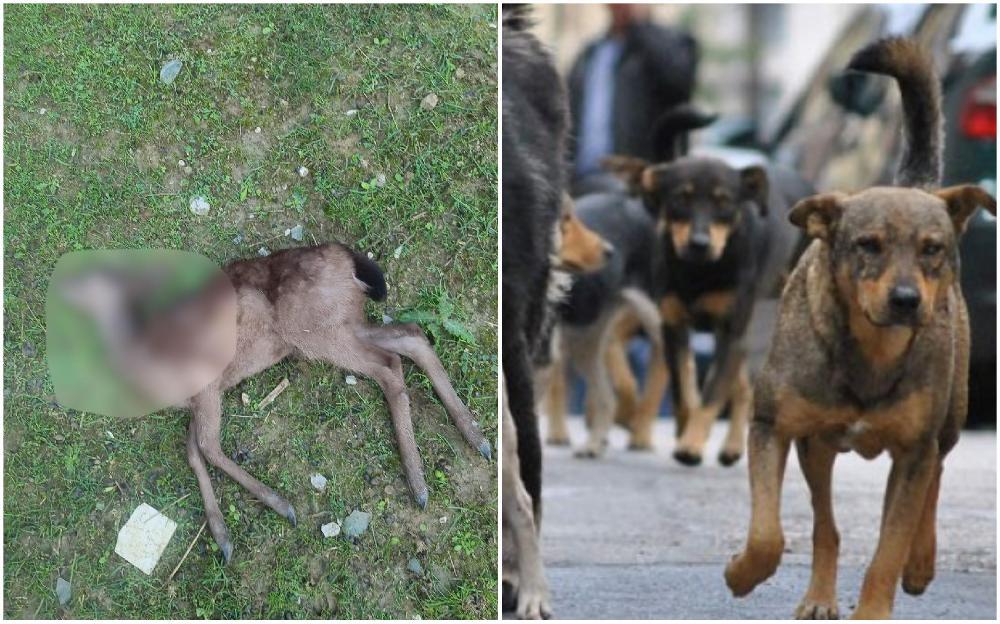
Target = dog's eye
(869,245)
(932,249)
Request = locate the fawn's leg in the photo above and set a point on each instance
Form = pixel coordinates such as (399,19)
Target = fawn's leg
(216,524)
(765,542)
(820,602)
(386,369)
(207,408)
(905,499)
(409,340)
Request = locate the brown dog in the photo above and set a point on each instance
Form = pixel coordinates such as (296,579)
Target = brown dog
(871,353)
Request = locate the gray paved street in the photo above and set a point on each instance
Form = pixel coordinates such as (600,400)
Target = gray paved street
(636,535)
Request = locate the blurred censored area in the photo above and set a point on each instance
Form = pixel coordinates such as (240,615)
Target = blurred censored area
(131,332)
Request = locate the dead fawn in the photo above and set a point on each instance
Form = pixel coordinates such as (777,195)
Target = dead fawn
(305,302)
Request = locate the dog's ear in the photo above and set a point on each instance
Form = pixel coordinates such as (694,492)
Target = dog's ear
(818,215)
(630,170)
(963,200)
(754,187)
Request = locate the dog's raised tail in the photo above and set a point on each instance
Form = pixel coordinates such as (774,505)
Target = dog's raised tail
(370,275)
(912,67)
(671,130)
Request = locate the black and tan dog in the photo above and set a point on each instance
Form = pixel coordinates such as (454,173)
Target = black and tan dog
(725,241)
(871,354)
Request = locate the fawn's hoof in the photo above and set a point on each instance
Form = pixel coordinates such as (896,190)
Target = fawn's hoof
(421,498)
(227,551)
(485,450)
(290,515)
(687,457)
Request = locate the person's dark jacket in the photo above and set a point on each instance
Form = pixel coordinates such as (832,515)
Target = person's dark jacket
(655,72)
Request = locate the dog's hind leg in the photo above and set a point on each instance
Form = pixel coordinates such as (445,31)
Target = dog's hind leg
(739,416)
(816,458)
(207,409)
(910,478)
(919,570)
(531,587)
(622,379)
(600,401)
(409,340)
(644,416)
(216,523)
(765,541)
(553,394)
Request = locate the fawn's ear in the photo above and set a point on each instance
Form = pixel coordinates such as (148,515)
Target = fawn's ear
(632,171)
(963,200)
(818,215)
(754,187)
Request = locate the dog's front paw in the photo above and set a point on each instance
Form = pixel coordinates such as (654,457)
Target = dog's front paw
(589,452)
(533,604)
(729,457)
(746,571)
(557,440)
(817,610)
(687,456)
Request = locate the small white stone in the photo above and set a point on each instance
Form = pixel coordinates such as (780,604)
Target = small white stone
(370,255)
(287,231)
(352,112)
(386,319)
(181,163)
(331,529)
(318,481)
(263,251)
(443,520)
(257,130)
(144,537)
(303,172)
(42,111)
(351,380)
(397,252)
(199,206)
(380,180)
(297,233)
(245,398)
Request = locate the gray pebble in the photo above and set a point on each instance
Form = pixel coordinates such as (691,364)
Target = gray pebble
(414,566)
(356,523)
(64,591)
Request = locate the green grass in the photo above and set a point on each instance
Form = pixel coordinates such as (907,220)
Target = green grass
(99,169)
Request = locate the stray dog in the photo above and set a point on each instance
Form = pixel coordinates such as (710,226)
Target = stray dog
(309,302)
(871,353)
(616,299)
(535,118)
(724,242)
(592,308)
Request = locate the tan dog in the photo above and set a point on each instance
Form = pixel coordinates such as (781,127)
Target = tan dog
(871,354)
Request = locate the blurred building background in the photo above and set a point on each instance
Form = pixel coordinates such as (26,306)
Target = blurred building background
(753,56)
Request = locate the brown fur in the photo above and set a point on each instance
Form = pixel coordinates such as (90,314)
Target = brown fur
(307,303)
(851,368)
(580,249)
